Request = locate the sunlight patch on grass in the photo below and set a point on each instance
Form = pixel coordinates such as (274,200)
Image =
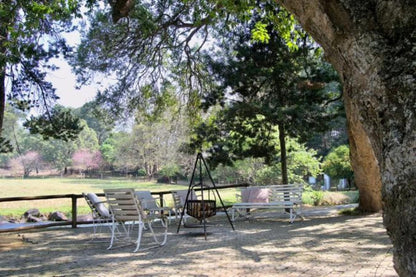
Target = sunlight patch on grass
(58,186)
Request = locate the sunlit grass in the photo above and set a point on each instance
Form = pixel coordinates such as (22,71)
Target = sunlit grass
(52,186)
(60,186)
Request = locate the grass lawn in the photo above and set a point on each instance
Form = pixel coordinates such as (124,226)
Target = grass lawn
(56,186)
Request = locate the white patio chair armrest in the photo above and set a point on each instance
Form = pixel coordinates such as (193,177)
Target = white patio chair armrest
(145,203)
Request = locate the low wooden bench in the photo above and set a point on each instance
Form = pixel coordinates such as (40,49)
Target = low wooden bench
(285,197)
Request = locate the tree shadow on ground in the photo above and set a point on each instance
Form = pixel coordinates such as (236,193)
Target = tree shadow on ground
(266,244)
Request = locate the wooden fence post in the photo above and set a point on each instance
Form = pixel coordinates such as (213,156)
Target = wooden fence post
(74,211)
(161,199)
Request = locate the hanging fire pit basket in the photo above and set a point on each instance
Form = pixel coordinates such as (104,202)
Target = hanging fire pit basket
(201,209)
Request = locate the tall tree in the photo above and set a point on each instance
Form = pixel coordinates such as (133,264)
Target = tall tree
(337,164)
(26,163)
(157,37)
(58,153)
(264,85)
(29,38)
(154,144)
(97,119)
(159,42)
(370,44)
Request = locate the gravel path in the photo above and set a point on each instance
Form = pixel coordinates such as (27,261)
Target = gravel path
(320,245)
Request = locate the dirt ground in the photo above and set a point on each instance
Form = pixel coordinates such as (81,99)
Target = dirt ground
(262,246)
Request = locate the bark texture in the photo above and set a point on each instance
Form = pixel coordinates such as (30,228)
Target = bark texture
(333,26)
(283,154)
(372,44)
(363,161)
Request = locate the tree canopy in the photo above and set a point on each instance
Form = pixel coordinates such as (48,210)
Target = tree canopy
(30,36)
(268,91)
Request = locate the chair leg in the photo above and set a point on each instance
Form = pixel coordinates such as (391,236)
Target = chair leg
(112,233)
(165,234)
(185,217)
(94,228)
(164,223)
(292,217)
(139,235)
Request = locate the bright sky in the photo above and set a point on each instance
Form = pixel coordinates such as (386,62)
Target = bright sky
(65,82)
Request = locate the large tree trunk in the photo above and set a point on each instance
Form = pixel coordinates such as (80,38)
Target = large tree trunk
(2,96)
(363,160)
(372,44)
(3,36)
(283,156)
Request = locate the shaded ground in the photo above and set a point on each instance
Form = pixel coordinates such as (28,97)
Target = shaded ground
(318,246)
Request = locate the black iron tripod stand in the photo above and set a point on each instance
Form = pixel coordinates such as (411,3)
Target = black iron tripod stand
(203,208)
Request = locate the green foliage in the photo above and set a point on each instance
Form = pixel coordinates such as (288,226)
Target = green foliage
(107,149)
(60,123)
(259,33)
(141,172)
(262,87)
(116,146)
(97,118)
(163,41)
(301,162)
(317,197)
(170,170)
(328,198)
(312,197)
(155,35)
(337,163)
(269,175)
(5,145)
(58,153)
(151,145)
(87,138)
(11,121)
(29,38)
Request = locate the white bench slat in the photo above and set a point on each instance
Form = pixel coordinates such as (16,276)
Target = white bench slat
(280,196)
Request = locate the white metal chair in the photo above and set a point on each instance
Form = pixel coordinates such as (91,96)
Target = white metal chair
(179,198)
(127,211)
(150,204)
(99,212)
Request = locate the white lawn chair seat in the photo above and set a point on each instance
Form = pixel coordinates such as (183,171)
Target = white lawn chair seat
(126,211)
(99,212)
(150,204)
(179,198)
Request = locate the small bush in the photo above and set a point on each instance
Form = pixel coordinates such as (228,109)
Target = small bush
(317,197)
(327,198)
(334,198)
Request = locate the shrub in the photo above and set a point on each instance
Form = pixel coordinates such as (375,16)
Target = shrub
(317,197)
(327,198)
(334,198)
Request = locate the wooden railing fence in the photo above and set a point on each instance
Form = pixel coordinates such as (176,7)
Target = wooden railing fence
(74,198)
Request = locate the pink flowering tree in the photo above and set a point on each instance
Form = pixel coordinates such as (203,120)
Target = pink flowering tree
(26,163)
(85,160)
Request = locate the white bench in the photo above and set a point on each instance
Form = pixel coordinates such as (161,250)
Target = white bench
(285,197)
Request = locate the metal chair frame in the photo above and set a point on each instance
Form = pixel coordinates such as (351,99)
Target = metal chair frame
(127,211)
(99,217)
